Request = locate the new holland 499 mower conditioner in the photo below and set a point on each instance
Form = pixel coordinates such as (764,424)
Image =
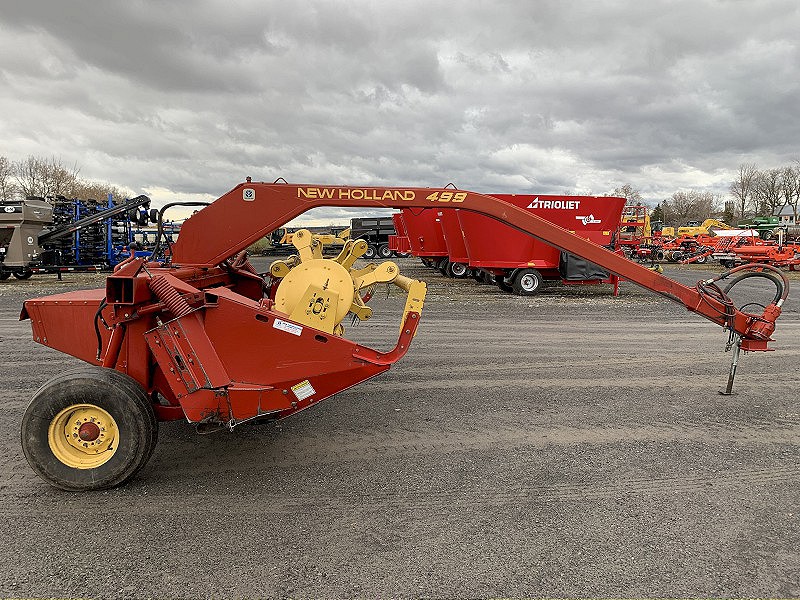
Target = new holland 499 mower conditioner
(203,337)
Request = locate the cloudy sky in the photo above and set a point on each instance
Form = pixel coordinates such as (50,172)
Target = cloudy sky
(184,99)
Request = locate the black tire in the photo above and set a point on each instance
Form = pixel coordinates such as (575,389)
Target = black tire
(702,259)
(728,264)
(104,392)
(457,270)
(4,274)
(371,252)
(442,267)
(384,251)
(527,282)
(23,273)
(501,283)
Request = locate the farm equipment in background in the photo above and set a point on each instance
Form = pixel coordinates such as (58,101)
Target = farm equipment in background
(460,243)
(705,228)
(424,236)
(635,229)
(203,337)
(752,249)
(21,222)
(57,235)
(376,231)
(698,248)
(399,242)
(332,238)
(767,227)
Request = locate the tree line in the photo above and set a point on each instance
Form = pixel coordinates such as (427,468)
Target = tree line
(44,177)
(754,192)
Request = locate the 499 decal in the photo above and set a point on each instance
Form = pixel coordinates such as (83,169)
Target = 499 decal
(447,196)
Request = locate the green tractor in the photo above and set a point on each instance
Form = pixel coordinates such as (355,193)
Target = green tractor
(765,226)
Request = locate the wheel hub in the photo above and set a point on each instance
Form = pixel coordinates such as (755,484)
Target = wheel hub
(89,432)
(83,436)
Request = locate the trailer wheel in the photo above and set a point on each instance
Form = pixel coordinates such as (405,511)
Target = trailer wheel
(23,273)
(89,429)
(384,251)
(527,282)
(371,252)
(442,267)
(702,259)
(458,270)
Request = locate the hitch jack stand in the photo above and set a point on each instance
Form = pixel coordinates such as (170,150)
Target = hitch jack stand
(728,391)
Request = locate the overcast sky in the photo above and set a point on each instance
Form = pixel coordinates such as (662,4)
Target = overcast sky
(183,100)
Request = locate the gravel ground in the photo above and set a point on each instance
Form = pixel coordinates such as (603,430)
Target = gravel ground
(569,444)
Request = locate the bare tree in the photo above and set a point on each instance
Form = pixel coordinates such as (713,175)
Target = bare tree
(96,190)
(632,196)
(768,191)
(791,186)
(742,188)
(8,188)
(690,205)
(37,176)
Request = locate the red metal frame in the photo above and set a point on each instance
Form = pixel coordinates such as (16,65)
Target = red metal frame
(424,233)
(399,242)
(200,336)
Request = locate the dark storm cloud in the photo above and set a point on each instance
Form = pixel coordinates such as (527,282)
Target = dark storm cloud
(190,97)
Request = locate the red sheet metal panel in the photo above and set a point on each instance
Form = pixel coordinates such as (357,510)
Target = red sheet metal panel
(424,232)
(399,242)
(453,236)
(493,244)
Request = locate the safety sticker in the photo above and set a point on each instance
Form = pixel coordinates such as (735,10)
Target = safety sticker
(248,194)
(303,390)
(287,327)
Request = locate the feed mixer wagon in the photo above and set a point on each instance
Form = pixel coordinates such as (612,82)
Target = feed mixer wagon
(458,243)
(203,337)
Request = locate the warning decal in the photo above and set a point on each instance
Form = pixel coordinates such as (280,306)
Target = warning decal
(303,390)
(287,327)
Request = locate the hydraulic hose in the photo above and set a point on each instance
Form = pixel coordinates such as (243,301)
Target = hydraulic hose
(776,277)
(754,329)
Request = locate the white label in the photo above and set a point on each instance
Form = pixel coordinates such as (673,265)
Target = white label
(287,327)
(9,209)
(248,194)
(30,240)
(303,390)
(555,204)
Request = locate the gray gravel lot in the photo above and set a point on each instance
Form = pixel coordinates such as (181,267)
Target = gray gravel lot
(568,444)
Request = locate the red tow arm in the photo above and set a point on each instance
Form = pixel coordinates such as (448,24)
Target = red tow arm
(252,210)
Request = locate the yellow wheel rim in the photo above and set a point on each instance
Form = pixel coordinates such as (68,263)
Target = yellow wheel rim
(83,436)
